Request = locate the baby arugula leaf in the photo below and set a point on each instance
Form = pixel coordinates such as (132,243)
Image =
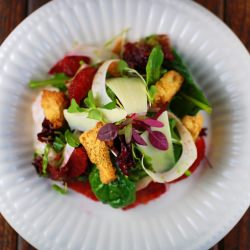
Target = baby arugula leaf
(58,144)
(110,105)
(59,189)
(75,108)
(95,114)
(71,139)
(58,81)
(45,159)
(190,99)
(153,68)
(90,100)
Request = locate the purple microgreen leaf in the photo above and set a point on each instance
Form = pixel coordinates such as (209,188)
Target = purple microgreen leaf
(108,132)
(138,139)
(128,133)
(158,140)
(153,123)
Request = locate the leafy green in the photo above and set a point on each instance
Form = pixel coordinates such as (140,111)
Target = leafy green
(75,108)
(173,130)
(152,92)
(153,68)
(137,172)
(190,99)
(58,144)
(90,100)
(95,114)
(111,94)
(72,139)
(59,189)
(57,81)
(177,151)
(110,105)
(118,193)
(122,66)
(188,173)
(45,159)
(177,145)
(128,133)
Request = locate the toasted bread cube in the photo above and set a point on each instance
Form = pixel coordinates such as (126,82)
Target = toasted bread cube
(193,124)
(98,153)
(113,69)
(53,104)
(167,87)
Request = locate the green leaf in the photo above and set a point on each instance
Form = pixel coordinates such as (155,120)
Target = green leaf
(177,151)
(71,139)
(59,189)
(90,100)
(128,133)
(188,173)
(110,105)
(58,81)
(75,108)
(173,130)
(58,144)
(190,99)
(153,68)
(45,159)
(122,66)
(95,114)
(111,94)
(152,92)
(119,193)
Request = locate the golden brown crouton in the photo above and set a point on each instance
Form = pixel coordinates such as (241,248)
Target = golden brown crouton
(113,69)
(53,104)
(118,45)
(98,153)
(167,87)
(193,124)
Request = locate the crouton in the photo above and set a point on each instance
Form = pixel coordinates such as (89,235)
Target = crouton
(193,124)
(118,46)
(98,153)
(113,69)
(53,104)
(167,87)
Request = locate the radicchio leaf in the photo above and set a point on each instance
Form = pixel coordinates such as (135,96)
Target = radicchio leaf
(138,139)
(153,123)
(125,159)
(158,140)
(108,132)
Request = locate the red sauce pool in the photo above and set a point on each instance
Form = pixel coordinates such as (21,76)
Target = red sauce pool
(153,190)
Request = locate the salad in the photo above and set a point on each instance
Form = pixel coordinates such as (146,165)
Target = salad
(119,123)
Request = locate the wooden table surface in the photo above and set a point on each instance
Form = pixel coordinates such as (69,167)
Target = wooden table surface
(235,13)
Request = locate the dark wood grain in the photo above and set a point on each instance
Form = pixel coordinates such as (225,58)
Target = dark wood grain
(236,14)
(12,12)
(35,4)
(217,6)
(8,237)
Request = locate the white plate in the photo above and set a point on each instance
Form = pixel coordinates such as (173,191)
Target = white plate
(195,213)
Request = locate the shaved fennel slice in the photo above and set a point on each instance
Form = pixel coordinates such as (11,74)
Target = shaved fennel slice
(99,84)
(144,182)
(53,156)
(97,54)
(81,122)
(131,92)
(67,152)
(188,156)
